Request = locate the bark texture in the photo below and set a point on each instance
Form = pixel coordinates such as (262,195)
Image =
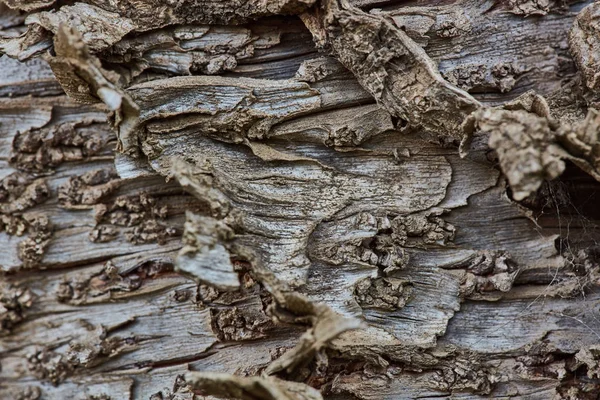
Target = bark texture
(299,199)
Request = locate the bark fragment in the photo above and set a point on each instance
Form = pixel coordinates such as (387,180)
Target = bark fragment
(20,191)
(88,189)
(240,323)
(589,357)
(49,146)
(98,28)
(584,43)
(96,347)
(383,293)
(181,390)
(14,302)
(529,8)
(394,69)
(203,254)
(476,77)
(327,326)
(488,271)
(107,283)
(31,250)
(524,140)
(143,214)
(83,79)
(50,366)
(531,145)
(250,388)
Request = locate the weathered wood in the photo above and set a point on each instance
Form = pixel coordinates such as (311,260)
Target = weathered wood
(276,218)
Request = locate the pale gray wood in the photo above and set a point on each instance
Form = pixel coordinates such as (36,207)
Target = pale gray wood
(325,215)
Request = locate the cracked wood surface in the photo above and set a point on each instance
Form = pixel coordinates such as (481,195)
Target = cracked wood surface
(283,212)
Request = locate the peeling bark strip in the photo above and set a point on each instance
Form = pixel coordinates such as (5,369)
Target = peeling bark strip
(229,386)
(392,68)
(301,246)
(83,78)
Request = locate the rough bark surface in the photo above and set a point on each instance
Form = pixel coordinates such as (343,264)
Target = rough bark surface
(299,199)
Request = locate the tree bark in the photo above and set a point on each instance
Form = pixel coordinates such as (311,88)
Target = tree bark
(299,199)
